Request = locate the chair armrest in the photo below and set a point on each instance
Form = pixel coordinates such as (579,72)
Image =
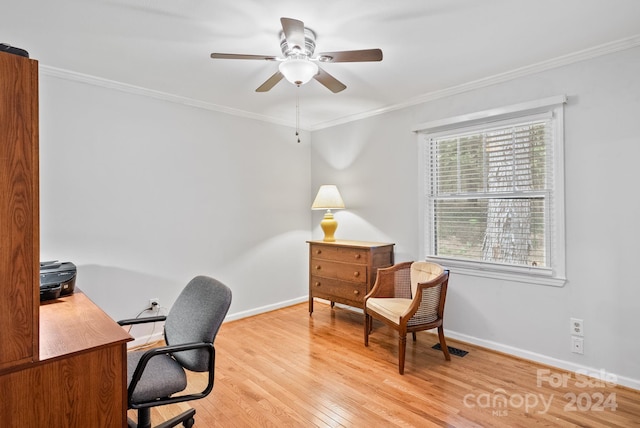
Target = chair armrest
(416,302)
(171,349)
(386,280)
(132,321)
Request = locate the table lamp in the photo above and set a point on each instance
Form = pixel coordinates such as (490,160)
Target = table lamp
(328,198)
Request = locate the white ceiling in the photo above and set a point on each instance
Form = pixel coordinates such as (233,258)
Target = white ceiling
(429,46)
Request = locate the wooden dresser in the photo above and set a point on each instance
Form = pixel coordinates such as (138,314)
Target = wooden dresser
(345,271)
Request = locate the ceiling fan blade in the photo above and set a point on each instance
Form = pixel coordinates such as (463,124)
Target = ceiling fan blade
(351,56)
(270,82)
(293,33)
(333,84)
(243,56)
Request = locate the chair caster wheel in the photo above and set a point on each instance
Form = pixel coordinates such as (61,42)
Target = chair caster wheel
(188,423)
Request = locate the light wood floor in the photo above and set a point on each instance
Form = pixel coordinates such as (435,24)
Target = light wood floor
(286,369)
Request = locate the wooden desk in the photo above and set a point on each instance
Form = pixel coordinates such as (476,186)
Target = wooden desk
(81,377)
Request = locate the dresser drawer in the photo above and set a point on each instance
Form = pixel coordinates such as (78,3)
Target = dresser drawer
(348,255)
(337,270)
(337,290)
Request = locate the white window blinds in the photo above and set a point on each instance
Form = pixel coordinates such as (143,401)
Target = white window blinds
(490,192)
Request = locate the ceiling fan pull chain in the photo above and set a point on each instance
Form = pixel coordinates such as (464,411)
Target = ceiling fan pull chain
(298,113)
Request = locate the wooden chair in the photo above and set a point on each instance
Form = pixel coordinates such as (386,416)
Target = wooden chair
(408,297)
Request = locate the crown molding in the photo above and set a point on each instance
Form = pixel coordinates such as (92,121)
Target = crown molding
(137,90)
(561,61)
(574,57)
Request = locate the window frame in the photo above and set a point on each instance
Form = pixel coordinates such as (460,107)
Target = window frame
(554,274)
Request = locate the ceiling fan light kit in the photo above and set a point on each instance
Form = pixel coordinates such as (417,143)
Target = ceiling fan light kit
(298,70)
(299,66)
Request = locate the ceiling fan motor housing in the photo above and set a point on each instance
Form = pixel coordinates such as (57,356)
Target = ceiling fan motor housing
(309,44)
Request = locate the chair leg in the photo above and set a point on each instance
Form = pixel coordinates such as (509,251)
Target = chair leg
(443,344)
(413,333)
(144,418)
(367,318)
(402,348)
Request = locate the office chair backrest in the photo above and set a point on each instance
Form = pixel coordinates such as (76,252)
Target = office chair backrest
(196,316)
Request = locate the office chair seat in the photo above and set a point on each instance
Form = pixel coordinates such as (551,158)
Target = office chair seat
(162,377)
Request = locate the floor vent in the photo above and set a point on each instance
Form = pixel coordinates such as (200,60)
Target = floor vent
(454,351)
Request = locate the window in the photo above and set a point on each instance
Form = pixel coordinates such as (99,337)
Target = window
(492,192)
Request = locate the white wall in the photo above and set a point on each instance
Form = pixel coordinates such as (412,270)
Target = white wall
(142,194)
(374,163)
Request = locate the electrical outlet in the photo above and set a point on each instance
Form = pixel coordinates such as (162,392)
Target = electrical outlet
(154,303)
(577,345)
(577,327)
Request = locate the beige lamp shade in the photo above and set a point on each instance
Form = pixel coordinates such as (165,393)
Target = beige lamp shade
(328,198)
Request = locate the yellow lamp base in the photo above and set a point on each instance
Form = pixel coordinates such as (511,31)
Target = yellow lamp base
(329,226)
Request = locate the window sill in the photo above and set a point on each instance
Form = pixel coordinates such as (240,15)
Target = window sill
(536,276)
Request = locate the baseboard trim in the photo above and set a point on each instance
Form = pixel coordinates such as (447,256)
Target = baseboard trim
(156,336)
(488,344)
(266,308)
(542,359)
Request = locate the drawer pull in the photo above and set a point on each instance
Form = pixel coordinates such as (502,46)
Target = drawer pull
(356,292)
(318,267)
(318,251)
(357,256)
(317,284)
(356,274)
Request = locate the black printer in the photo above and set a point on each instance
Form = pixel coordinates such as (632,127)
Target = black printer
(56,279)
(4,47)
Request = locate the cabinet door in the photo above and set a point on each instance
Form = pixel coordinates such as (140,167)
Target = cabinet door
(19,243)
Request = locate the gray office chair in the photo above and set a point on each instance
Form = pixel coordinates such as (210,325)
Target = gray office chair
(155,375)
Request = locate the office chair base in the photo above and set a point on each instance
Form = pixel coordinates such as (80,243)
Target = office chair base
(185,418)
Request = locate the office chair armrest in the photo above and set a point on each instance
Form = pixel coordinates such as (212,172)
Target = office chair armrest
(144,320)
(170,349)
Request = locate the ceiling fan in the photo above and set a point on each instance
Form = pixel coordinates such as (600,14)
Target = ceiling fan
(299,66)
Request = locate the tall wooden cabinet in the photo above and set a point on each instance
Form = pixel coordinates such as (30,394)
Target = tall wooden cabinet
(19,208)
(63,364)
